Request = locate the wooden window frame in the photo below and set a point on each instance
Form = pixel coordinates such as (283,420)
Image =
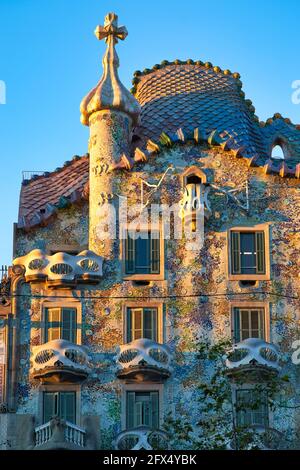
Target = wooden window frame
(156,392)
(59,393)
(265,228)
(160,319)
(250,389)
(148,276)
(59,304)
(59,387)
(145,387)
(60,322)
(252,306)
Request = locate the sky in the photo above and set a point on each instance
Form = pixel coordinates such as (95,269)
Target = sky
(50,58)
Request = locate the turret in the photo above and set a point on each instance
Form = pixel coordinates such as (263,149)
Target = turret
(111,112)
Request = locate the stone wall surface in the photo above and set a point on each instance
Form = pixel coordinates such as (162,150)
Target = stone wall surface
(205,311)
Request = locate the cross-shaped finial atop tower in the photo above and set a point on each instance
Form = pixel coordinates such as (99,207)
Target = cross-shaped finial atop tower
(111,29)
(110,93)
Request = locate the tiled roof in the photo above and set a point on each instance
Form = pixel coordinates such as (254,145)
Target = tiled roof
(42,196)
(189,95)
(179,101)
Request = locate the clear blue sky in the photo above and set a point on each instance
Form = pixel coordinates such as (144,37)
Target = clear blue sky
(49,59)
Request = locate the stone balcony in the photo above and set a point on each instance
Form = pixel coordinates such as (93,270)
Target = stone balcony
(58,434)
(141,438)
(60,361)
(61,269)
(261,438)
(144,360)
(254,358)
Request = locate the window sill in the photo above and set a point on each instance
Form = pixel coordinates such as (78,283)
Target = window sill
(248,277)
(143,277)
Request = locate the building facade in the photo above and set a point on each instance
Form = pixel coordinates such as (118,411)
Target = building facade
(178,224)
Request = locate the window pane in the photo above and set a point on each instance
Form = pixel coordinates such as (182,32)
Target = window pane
(142,409)
(69,326)
(150,323)
(245,332)
(49,406)
(155,253)
(155,410)
(235,253)
(249,323)
(142,323)
(67,406)
(260,252)
(130,410)
(254,409)
(129,254)
(248,253)
(142,255)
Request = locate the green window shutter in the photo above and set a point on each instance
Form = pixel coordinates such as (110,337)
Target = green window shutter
(67,403)
(138,414)
(260,252)
(155,253)
(154,410)
(245,320)
(129,254)
(236,327)
(129,326)
(49,406)
(130,399)
(261,314)
(147,413)
(68,326)
(235,253)
(150,323)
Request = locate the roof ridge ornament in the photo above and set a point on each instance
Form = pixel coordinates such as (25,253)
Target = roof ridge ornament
(110,93)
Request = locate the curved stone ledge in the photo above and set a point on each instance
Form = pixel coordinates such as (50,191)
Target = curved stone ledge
(61,269)
(141,438)
(144,359)
(253,356)
(263,438)
(60,361)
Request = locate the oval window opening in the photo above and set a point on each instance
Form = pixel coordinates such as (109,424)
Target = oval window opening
(277,153)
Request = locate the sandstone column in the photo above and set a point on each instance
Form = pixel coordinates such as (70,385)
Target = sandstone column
(111,112)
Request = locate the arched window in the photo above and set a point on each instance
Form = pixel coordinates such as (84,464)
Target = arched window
(193,181)
(277,152)
(193,175)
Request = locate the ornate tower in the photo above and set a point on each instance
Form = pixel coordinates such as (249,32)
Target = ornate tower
(111,112)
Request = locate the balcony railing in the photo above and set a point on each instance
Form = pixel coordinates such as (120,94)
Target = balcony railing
(60,360)
(144,359)
(61,269)
(253,356)
(58,433)
(141,438)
